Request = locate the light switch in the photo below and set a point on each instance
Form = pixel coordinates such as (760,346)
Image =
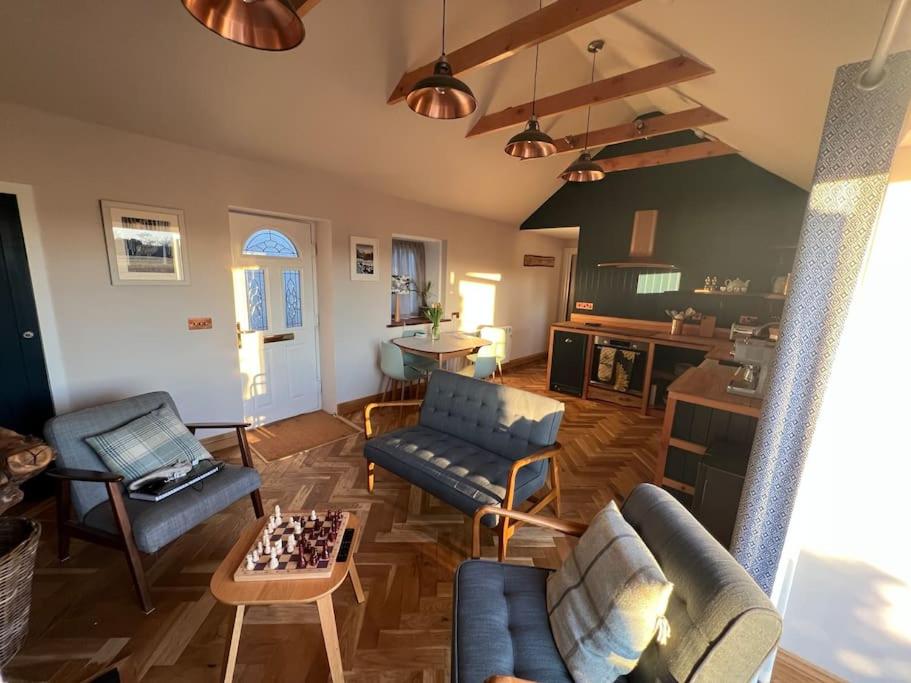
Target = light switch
(199,323)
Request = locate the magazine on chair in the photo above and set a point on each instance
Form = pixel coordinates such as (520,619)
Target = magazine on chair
(162,488)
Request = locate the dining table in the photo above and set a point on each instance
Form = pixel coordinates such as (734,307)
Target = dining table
(449,345)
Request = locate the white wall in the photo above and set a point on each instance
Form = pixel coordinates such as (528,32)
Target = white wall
(116,341)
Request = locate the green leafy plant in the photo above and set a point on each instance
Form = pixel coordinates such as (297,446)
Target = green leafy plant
(434,313)
(423,291)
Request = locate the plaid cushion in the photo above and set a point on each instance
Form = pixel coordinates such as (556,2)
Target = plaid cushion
(607,601)
(146,444)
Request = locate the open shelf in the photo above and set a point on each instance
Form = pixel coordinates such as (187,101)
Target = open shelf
(755,295)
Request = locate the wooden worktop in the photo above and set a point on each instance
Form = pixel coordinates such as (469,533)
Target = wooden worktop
(706,384)
(717,348)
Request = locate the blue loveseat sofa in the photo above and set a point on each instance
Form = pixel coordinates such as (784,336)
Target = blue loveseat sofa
(476,444)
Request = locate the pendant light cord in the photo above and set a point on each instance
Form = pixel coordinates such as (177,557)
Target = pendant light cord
(588,118)
(534,86)
(443,50)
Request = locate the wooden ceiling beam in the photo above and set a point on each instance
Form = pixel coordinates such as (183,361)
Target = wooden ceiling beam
(647,127)
(672,155)
(636,82)
(549,22)
(306,7)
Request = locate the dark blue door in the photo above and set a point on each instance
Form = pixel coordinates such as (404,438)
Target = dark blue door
(25,396)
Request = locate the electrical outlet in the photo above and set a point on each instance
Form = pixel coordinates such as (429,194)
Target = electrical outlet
(199,324)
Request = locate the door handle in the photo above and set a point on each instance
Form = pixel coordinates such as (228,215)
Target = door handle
(28,334)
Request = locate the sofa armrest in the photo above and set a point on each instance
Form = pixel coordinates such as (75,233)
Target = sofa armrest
(549,453)
(507,679)
(566,526)
(71,474)
(370,407)
(193,426)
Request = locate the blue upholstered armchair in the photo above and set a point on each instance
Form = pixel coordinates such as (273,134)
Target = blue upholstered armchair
(476,444)
(95,494)
(722,626)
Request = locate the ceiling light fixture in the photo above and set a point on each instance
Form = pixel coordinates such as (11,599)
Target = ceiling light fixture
(262,24)
(532,143)
(583,169)
(442,95)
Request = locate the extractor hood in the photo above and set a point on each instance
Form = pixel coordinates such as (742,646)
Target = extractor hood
(641,246)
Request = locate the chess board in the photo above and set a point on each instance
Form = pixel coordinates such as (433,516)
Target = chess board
(317,534)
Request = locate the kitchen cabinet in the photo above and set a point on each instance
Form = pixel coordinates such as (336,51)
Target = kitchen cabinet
(568,370)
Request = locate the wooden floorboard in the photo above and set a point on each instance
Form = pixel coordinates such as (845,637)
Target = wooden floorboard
(85,616)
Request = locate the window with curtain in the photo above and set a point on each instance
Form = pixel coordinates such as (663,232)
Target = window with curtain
(409,260)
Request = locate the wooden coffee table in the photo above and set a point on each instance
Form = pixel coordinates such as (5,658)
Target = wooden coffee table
(278,592)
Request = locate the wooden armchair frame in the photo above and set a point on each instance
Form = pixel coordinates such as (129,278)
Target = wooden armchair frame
(68,528)
(505,527)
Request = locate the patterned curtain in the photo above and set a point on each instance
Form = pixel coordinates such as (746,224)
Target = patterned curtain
(408,259)
(859,138)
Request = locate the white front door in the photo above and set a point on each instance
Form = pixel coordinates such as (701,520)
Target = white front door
(275,303)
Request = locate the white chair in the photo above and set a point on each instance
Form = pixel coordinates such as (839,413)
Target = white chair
(497,338)
(484,364)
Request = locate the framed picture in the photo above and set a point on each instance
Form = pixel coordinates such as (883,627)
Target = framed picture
(364,258)
(147,245)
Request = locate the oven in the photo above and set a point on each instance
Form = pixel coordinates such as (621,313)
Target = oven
(618,370)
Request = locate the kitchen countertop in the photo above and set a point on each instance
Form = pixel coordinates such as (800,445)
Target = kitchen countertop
(706,384)
(718,348)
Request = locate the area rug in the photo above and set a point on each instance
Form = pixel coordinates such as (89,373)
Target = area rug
(299,434)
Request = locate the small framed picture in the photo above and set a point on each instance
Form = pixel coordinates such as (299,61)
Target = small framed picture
(147,245)
(364,258)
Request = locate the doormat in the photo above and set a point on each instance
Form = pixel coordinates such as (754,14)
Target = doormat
(299,434)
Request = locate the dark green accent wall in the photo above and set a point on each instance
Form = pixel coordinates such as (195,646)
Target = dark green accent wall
(718,216)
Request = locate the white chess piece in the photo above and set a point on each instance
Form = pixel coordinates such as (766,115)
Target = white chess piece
(278,511)
(313,515)
(267,549)
(273,563)
(298,528)
(278,547)
(251,563)
(291,544)
(259,548)
(255,555)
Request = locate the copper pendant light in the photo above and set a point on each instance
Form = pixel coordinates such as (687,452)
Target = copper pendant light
(532,143)
(261,24)
(583,169)
(442,95)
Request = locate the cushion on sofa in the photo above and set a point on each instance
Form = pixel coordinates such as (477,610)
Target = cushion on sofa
(157,524)
(499,419)
(500,624)
(146,444)
(607,601)
(452,469)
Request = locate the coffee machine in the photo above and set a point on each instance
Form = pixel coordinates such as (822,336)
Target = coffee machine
(755,357)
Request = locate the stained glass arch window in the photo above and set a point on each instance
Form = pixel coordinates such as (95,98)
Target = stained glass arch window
(269,242)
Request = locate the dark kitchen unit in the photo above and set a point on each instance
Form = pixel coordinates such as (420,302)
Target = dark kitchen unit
(568,372)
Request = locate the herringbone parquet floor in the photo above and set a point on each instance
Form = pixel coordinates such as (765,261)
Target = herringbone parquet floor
(85,615)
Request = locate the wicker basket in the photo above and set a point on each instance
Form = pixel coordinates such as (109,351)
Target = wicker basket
(18,547)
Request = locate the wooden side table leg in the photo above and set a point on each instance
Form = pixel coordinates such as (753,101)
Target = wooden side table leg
(233,643)
(330,635)
(356,583)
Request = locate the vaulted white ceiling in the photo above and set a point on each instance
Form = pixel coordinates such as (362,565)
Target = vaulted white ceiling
(149,67)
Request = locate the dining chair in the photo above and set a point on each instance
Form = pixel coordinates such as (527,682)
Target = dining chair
(422,364)
(497,338)
(395,371)
(484,365)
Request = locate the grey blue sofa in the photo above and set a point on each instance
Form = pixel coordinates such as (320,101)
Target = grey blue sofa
(476,444)
(95,495)
(722,625)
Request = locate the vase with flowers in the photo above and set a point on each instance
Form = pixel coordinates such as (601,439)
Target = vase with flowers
(434,314)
